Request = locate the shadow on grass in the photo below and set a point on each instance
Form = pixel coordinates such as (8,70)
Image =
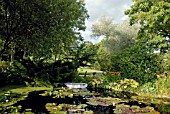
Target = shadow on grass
(7,88)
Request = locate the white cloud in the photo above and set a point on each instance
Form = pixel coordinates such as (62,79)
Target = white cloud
(107,8)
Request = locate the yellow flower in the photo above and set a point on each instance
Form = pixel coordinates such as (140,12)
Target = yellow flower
(126,79)
(134,86)
(125,87)
(121,82)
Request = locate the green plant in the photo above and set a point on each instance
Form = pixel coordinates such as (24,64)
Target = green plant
(159,87)
(108,78)
(149,88)
(125,84)
(96,82)
(87,79)
(139,63)
(78,79)
(11,110)
(163,85)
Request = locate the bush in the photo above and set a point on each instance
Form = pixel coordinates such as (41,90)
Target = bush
(108,78)
(37,73)
(138,63)
(8,75)
(125,84)
(38,83)
(157,87)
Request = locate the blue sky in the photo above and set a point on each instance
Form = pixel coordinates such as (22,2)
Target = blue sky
(108,8)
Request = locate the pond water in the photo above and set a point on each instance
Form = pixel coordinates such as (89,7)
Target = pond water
(90,102)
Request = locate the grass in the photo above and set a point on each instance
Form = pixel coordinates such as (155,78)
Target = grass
(21,89)
(83,70)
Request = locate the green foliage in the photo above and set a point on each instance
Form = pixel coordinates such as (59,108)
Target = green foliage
(97,66)
(128,83)
(162,85)
(103,57)
(139,63)
(82,54)
(4,66)
(12,110)
(96,82)
(10,96)
(38,83)
(116,37)
(76,78)
(166,63)
(40,27)
(149,88)
(87,79)
(108,78)
(39,73)
(125,84)
(154,18)
(7,74)
(158,87)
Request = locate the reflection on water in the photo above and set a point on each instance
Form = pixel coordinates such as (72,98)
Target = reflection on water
(98,102)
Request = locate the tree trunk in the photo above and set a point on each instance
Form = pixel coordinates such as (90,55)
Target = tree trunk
(85,74)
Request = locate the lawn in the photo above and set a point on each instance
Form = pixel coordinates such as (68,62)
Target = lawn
(14,93)
(89,70)
(20,89)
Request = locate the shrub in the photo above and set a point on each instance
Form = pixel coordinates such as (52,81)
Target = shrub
(139,63)
(128,83)
(37,73)
(96,82)
(159,87)
(108,78)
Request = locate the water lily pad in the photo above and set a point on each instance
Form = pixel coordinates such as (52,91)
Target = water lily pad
(126,109)
(28,110)
(81,106)
(88,112)
(92,103)
(103,101)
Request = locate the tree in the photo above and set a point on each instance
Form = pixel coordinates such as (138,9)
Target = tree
(154,18)
(103,57)
(82,54)
(139,63)
(40,27)
(117,36)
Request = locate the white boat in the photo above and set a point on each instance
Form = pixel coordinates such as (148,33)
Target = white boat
(76,85)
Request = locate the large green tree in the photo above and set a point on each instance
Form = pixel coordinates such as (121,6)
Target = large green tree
(116,37)
(40,27)
(154,18)
(103,57)
(139,63)
(82,54)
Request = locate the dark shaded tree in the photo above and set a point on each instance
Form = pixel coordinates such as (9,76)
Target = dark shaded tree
(83,54)
(40,27)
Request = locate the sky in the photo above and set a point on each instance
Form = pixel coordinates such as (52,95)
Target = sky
(108,8)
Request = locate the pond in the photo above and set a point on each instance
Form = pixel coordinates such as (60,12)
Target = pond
(89,101)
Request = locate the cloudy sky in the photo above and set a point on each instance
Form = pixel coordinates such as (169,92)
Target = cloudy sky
(107,8)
